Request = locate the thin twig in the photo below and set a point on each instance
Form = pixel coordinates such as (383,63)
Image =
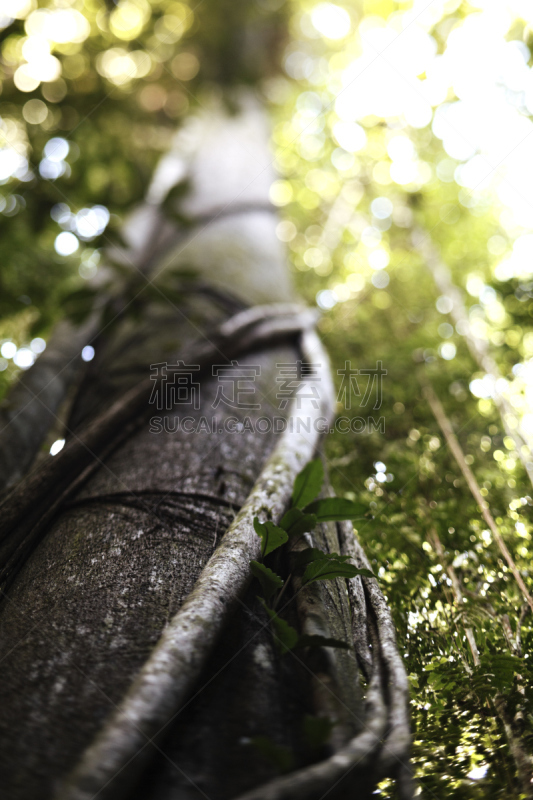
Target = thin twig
(478,347)
(523,611)
(451,439)
(458,593)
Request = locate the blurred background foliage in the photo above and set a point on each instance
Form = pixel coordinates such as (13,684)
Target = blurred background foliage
(396,126)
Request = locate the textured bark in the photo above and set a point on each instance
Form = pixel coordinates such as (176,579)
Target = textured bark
(168,676)
(115,570)
(112,570)
(50,485)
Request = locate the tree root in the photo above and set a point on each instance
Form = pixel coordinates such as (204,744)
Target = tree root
(395,751)
(111,764)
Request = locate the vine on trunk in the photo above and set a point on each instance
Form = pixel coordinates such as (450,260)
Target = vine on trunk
(112,763)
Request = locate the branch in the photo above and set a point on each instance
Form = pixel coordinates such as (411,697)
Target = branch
(458,594)
(520,621)
(478,347)
(451,439)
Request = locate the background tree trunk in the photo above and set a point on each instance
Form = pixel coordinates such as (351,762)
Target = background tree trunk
(122,555)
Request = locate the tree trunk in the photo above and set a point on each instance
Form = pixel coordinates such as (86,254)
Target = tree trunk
(125,549)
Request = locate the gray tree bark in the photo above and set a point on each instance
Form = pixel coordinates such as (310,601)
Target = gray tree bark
(122,552)
(32,406)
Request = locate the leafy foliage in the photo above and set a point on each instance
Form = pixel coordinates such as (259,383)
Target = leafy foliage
(295,522)
(328,566)
(335,509)
(285,636)
(271,536)
(308,484)
(404,476)
(315,564)
(382,301)
(270,582)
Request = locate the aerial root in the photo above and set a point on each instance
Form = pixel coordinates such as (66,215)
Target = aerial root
(382,746)
(22,525)
(394,754)
(110,765)
(346,764)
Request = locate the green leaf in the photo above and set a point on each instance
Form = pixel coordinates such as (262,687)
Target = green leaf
(498,670)
(308,483)
(413,680)
(311,554)
(313,640)
(325,566)
(285,636)
(332,567)
(504,661)
(270,582)
(271,536)
(295,522)
(335,509)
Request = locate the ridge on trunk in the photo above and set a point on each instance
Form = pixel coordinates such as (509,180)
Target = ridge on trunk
(124,552)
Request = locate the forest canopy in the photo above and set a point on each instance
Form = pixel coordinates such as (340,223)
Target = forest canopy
(402,140)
